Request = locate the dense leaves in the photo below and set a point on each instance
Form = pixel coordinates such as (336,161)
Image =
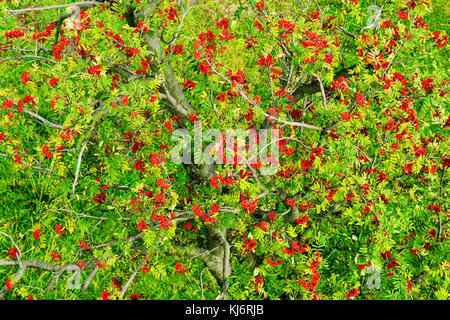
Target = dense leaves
(93,206)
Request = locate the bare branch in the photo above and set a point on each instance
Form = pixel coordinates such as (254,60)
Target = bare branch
(27,164)
(58,270)
(321,89)
(89,279)
(84,4)
(78,169)
(201,281)
(19,256)
(82,214)
(27,57)
(253,103)
(43,120)
(130,280)
(346,32)
(180,24)
(16,279)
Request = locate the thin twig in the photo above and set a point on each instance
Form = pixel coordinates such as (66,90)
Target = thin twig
(28,56)
(19,256)
(253,103)
(28,164)
(201,281)
(89,279)
(321,89)
(180,24)
(43,120)
(83,3)
(78,169)
(130,280)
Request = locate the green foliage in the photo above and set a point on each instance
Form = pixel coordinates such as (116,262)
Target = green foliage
(85,145)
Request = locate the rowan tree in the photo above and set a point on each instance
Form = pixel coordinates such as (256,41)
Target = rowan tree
(93,205)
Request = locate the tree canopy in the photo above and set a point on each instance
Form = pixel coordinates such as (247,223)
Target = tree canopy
(348,200)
